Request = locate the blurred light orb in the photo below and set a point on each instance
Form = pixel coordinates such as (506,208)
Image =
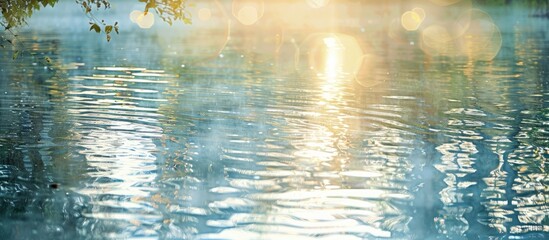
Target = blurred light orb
(420,12)
(145,20)
(474,36)
(445,2)
(451,17)
(134,15)
(248,12)
(332,56)
(317,3)
(482,39)
(411,20)
(204,14)
(247,15)
(437,40)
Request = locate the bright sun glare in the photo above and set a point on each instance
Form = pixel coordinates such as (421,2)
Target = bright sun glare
(449,28)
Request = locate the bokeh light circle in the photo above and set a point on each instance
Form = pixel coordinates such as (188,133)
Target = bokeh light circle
(145,20)
(411,20)
(248,12)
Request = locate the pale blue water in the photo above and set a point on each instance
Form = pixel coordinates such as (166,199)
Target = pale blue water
(156,136)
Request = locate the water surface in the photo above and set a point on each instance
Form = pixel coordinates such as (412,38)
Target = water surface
(159,135)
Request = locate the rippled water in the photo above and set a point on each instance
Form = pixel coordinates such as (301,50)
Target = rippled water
(146,137)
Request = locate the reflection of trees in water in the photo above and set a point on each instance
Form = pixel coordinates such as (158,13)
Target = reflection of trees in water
(491,145)
(26,199)
(528,161)
(24,119)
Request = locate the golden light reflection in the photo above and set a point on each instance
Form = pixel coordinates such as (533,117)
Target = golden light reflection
(332,67)
(248,12)
(333,56)
(320,144)
(322,137)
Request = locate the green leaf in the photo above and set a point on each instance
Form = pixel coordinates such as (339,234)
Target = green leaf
(108,29)
(151,4)
(95,27)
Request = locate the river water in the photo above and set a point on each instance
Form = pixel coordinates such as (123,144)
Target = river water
(186,133)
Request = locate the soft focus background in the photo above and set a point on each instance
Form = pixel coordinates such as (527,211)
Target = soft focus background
(303,119)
